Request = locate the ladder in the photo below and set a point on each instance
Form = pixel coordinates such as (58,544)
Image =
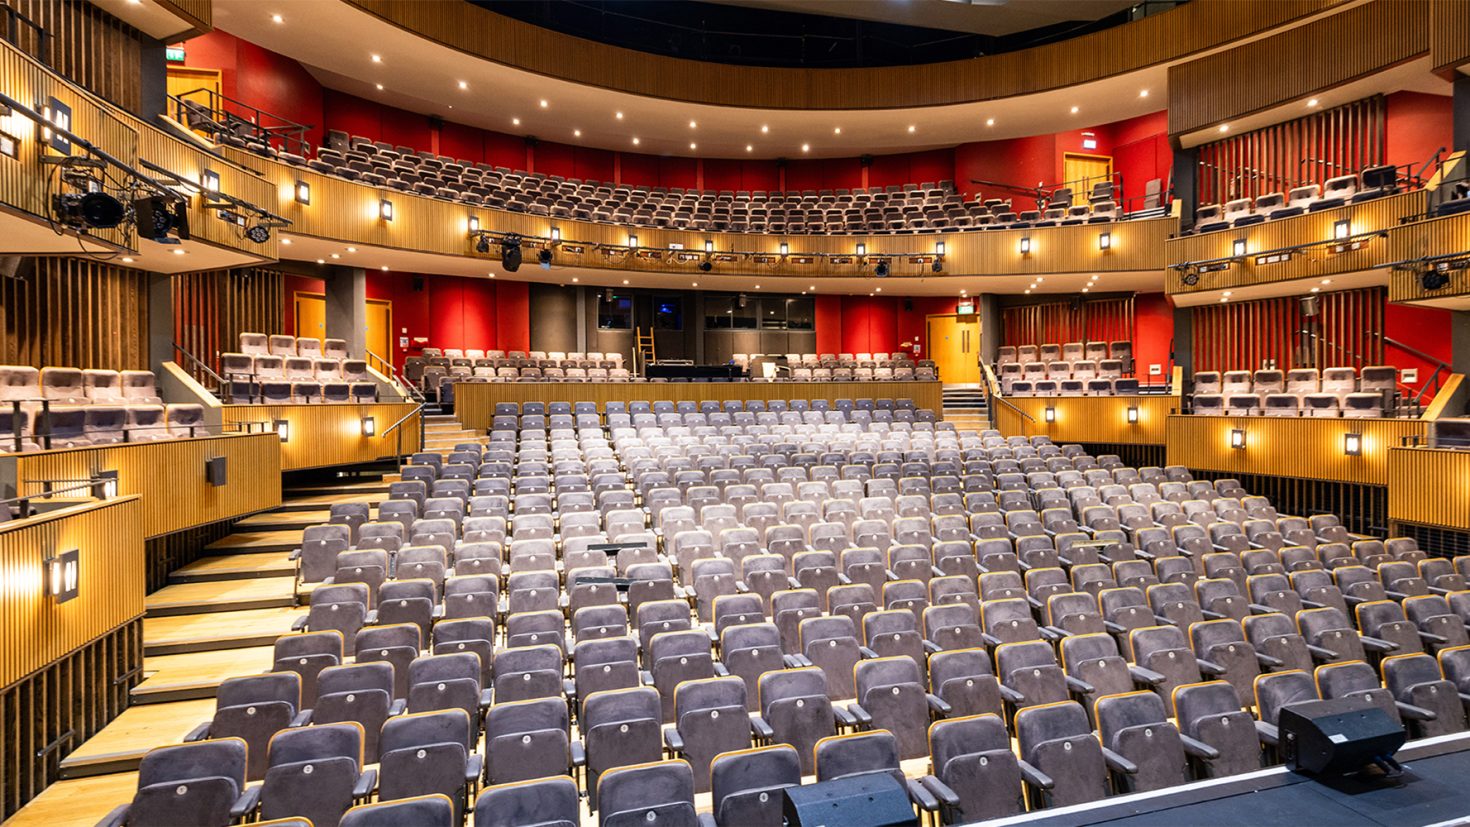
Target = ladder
(643,351)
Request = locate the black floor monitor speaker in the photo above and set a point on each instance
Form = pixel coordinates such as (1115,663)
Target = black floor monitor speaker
(1338,736)
(873,800)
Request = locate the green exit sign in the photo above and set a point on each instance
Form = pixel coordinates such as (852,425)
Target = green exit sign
(173,54)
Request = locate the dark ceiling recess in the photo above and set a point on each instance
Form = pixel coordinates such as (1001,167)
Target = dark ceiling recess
(744,36)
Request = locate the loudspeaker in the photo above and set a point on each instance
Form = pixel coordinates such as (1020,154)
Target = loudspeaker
(871,800)
(908,305)
(1338,736)
(418,284)
(1309,305)
(216,470)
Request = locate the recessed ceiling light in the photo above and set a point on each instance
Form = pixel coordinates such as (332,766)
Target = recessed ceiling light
(749,148)
(1028,292)
(544,103)
(757,287)
(1143,93)
(1074,110)
(636,141)
(1227,293)
(625,281)
(912,128)
(351,249)
(127,260)
(178,252)
(1224,127)
(806,147)
(515,121)
(693,124)
(285,241)
(464,84)
(276,18)
(451,106)
(1312,102)
(1316,290)
(335,255)
(1326,281)
(574,279)
(880,290)
(813,287)
(377,58)
(696,284)
(384,268)
(1223,300)
(990,121)
(765,128)
(836,130)
(693,145)
(1039,279)
(321,261)
(380,87)
(1086,289)
(619,116)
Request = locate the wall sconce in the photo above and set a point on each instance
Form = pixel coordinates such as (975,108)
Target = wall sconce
(209,181)
(556,234)
(303,192)
(1132,414)
(104,485)
(369,426)
(1237,438)
(1237,247)
(785,248)
(1050,414)
(1352,445)
(58,114)
(474,223)
(385,209)
(63,575)
(283,429)
(939,247)
(709,246)
(1342,230)
(862,249)
(632,240)
(1025,245)
(1105,241)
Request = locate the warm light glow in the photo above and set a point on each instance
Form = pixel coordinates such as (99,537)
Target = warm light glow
(939,247)
(632,240)
(1237,247)
(576,133)
(178,251)
(369,426)
(693,124)
(556,234)
(1352,444)
(619,116)
(276,18)
(990,121)
(765,128)
(1342,229)
(377,58)
(806,147)
(303,192)
(912,128)
(1312,102)
(515,121)
(385,210)
(1143,93)
(862,249)
(1104,241)
(544,103)
(836,130)
(1050,415)
(1132,414)
(636,141)
(380,87)
(785,248)
(349,249)
(1224,127)
(474,223)
(283,430)
(1025,245)
(749,148)
(709,246)
(1237,438)
(464,84)
(693,145)
(1074,110)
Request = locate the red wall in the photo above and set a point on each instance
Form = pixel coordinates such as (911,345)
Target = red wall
(261,78)
(1418,125)
(1153,335)
(1426,329)
(877,324)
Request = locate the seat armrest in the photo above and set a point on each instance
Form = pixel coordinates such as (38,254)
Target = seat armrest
(1113,628)
(246,803)
(1430,637)
(868,654)
(721,670)
(862,716)
(486,698)
(921,796)
(1209,667)
(302,719)
(569,688)
(578,754)
(1035,777)
(398,707)
(366,783)
(645,676)
(1269,735)
(1118,763)
(117,817)
(438,611)
(474,765)
(1079,686)
(990,641)
(1209,615)
(198,733)
(673,740)
(1011,696)
(371,618)
(791,661)
(1198,749)
(1145,675)
(930,647)
(761,729)
(1052,632)
(940,790)
(1321,654)
(299,624)
(1269,661)
(938,704)
(1378,644)
(294,555)
(1415,713)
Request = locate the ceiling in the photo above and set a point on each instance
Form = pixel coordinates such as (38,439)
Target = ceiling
(337,42)
(988,17)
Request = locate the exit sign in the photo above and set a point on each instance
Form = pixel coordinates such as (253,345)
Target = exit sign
(173,54)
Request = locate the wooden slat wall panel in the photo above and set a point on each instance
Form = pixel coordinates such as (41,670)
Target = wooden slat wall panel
(76,312)
(1244,335)
(212,309)
(1160,37)
(1430,486)
(1439,236)
(37,630)
(1289,447)
(1292,65)
(1308,150)
(474,403)
(169,552)
(348,212)
(1404,240)
(169,477)
(64,704)
(89,46)
(1098,320)
(1090,419)
(198,13)
(1449,34)
(331,434)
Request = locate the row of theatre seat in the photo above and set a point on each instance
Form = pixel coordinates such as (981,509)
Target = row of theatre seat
(741,608)
(1069,353)
(64,407)
(1331,392)
(1353,188)
(283,370)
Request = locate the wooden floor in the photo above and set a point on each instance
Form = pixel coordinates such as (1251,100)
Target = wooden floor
(197,674)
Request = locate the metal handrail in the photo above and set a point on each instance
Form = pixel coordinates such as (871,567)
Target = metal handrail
(24,500)
(410,392)
(220,382)
(417,411)
(288,132)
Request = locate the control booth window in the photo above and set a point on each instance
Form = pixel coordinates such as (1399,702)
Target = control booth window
(668,313)
(730,313)
(788,313)
(614,312)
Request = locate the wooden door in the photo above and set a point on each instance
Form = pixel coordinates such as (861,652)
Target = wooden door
(379,333)
(201,86)
(1080,172)
(311,315)
(954,345)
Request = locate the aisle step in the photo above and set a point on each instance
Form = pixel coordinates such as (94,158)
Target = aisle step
(120,745)
(256,542)
(283,520)
(197,674)
(216,631)
(324,502)
(215,568)
(348,485)
(222,596)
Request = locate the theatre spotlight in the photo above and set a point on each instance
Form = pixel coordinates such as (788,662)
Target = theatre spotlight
(937,266)
(510,253)
(1433,279)
(93,210)
(259,233)
(881,270)
(1190,278)
(154,219)
(544,257)
(705,267)
(482,244)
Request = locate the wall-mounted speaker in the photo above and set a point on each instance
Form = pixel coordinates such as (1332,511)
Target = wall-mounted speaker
(1075,302)
(418,284)
(908,305)
(216,471)
(1310,305)
(1338,736)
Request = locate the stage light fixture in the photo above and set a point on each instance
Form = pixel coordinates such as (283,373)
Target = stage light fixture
(1352,444)
(1190,278)
(1433,279)
(153,217)
(937,266)
(93,210)
(544,256)
(510,253)
(881,270)
(259,233)
(705,267)
(482,244)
